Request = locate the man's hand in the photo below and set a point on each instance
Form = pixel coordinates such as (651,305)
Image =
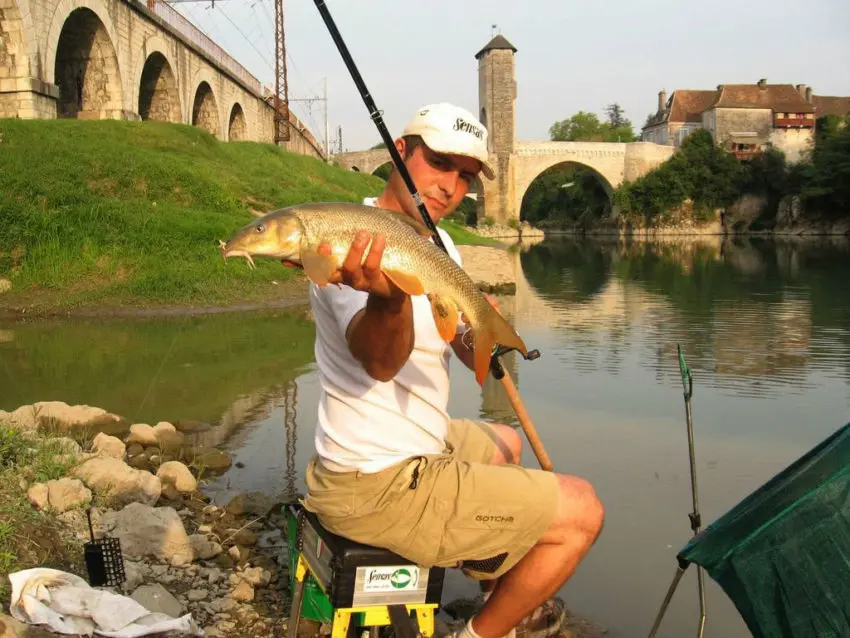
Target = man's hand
(359,274)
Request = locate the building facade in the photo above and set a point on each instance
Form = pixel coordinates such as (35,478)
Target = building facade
(744,119)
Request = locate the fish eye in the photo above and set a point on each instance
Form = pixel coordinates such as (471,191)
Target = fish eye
(261,228)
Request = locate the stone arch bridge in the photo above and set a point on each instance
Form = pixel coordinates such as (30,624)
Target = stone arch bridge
(126,59)
(612,163)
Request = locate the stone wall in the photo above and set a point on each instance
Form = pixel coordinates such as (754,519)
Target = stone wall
(795,142)
(728,123)
(97,58)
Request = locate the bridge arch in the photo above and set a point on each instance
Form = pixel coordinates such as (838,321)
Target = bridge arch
(237,126)
(205,111)
(83,62)
(156,83)
(159,95)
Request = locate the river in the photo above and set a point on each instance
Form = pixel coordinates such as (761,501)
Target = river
(764,325)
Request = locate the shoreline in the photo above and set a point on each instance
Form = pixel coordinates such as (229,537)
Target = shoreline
(490,267)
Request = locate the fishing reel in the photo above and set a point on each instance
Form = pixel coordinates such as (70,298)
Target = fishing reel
(496,368)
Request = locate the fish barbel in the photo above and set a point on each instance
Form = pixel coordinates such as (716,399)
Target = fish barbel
(410,260)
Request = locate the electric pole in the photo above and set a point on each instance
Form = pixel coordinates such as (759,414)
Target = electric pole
(281,104)
(324,100)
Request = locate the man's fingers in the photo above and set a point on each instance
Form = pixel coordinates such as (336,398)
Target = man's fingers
(372,265)
(324,249)
(355,253)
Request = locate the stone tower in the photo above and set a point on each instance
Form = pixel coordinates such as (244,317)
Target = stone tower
(497,111)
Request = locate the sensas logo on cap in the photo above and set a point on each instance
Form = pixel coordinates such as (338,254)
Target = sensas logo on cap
(468,127)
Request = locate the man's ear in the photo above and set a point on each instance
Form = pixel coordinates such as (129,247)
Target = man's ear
(401,145)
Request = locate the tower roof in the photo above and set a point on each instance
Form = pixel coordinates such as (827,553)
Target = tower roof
(499,42)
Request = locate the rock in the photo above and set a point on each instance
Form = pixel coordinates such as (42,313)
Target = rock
(155,598)
(191,427)
(60,414)
(141,433)
(196,595)
(170,442)
(134,450)
(203,548)
(59,495)
(120,482)
(163,426)
(140,462)
(257,576)
(176,474)
(5,285)
(11,628)
(134,575)
(151,531)
(214,575)
(234,553)
(67,493)
(243,592)
(222,605)
(107,445)
(171,493)
(244,537)
(211,459)
(39,496)
(250,504)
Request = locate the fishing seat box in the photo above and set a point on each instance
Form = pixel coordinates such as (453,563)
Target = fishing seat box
(357,575)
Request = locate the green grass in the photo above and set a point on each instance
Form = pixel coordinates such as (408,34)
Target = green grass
(461,236)
(30,538)
(113,212)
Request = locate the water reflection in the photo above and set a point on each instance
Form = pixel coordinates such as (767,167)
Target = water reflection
(756,317)
(765,327)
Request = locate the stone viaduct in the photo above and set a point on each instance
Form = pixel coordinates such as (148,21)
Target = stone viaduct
(519,163)
(125,59)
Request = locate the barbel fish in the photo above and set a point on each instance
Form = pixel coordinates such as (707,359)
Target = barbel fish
(410,260)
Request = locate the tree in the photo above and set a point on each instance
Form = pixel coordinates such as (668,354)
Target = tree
(615,116)
(582,126)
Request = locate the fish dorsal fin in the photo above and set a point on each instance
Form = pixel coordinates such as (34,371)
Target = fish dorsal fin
(419,227)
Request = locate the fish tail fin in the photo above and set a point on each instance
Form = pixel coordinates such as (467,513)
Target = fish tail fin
(494,329)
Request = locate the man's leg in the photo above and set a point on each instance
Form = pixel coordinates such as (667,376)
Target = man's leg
(548,565)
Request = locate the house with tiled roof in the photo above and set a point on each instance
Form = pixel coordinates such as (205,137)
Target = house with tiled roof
(677,117)
(749,118)
(830,105)
(744,118)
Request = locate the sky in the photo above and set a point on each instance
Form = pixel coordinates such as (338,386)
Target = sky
(571,56)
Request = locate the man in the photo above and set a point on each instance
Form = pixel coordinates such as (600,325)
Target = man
(392,469)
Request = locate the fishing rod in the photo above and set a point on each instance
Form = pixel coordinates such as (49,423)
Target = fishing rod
(694,517)
(496,368)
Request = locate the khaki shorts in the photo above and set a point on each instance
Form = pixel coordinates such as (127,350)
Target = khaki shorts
(454,509)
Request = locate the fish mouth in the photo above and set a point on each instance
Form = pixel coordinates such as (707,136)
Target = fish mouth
(235,252)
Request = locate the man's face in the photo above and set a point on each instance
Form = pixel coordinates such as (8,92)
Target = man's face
(442,180)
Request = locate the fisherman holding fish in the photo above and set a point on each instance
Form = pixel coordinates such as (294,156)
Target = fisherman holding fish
(392,468)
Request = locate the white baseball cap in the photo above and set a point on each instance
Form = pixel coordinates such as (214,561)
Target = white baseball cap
(447,128)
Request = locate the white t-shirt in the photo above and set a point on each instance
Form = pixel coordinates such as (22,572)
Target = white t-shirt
(365,424)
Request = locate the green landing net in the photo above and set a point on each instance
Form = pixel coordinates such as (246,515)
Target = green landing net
(782,555)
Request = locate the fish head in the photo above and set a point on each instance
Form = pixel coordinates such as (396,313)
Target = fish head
(277,235)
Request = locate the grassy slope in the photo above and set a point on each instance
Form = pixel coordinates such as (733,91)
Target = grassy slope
(129,213)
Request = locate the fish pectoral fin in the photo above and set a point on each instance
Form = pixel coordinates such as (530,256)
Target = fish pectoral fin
(318,268)
(415,225)
(445,316)
(408,282)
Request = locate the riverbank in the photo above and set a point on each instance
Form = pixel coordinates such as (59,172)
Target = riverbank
(224,568)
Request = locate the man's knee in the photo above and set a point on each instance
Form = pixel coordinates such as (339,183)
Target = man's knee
(508,443)
(579,510)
